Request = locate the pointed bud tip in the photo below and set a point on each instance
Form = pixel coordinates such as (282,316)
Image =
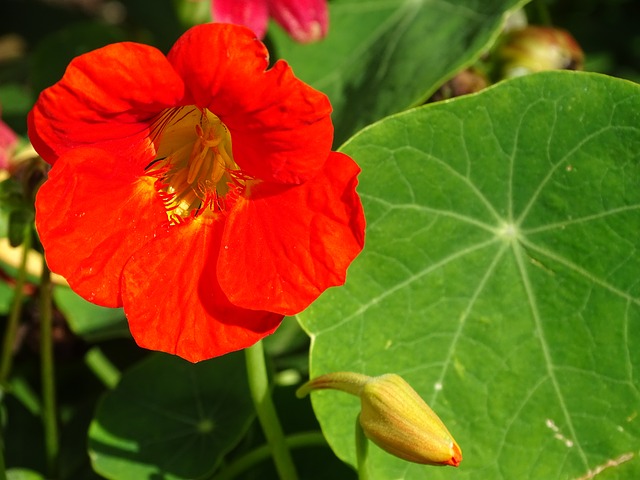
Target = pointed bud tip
(456,456)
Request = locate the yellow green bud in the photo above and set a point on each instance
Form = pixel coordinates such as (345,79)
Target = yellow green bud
(395,417)
(534,49)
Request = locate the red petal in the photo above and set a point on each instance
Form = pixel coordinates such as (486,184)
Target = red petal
(105,99)
(280,127)
(305,20)
(284,245)
(251,13)
(174,303)
(91,215)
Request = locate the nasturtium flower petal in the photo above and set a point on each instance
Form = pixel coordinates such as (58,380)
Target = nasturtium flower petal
(251,13)
(106,98)
(198,191)
(289,133)
(91,214)
(191,317)
(292,243)
(305,20)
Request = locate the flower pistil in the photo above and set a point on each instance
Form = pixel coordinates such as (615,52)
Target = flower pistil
(194,167)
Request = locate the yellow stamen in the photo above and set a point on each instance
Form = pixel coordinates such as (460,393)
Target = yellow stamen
(194,166)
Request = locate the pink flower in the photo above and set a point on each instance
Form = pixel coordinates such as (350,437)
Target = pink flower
(8,143)
(305,20)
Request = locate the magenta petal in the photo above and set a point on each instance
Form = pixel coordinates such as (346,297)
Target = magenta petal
(251,13)
(8,142)
(305,20)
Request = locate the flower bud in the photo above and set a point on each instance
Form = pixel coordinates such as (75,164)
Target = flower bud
(8,144)
(469,80)
(534,49)
(395,417)
(305,20)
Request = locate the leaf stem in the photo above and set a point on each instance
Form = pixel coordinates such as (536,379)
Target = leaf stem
(49,417)
(3,468)
(361,451)
(245,462)
(543,13)
(16,310)
(267,415)
(102,367)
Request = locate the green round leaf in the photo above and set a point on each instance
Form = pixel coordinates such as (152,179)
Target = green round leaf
(92,322)
(171,419)
(500,277)
(381,57)
(23,474)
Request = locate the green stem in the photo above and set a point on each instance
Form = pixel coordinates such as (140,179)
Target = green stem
(49,417)
(246,462)
(361,451)
(543,13)
(16,311)
(261,395)
(102,367)
(3,469)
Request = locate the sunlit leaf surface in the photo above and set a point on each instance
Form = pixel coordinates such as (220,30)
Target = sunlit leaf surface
(23,474)
(501,278)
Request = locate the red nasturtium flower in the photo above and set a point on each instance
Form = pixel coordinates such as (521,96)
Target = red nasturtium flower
(197,190)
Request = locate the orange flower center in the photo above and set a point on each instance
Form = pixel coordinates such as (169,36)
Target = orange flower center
(194,167)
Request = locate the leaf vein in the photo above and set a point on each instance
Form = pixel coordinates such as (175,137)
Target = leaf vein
(391,290)
(464,316)
(548,359)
